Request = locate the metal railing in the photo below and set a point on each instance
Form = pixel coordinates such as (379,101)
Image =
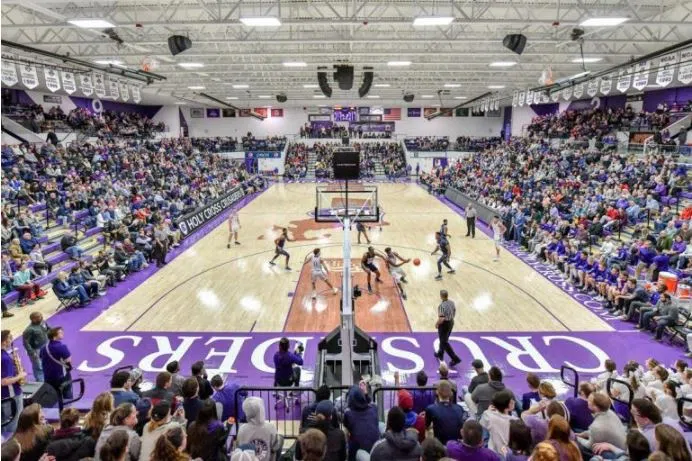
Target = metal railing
(387,397)
(624,405)
(574,383)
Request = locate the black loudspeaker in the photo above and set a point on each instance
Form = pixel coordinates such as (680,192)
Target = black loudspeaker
(324,84)
(515,42)
(368,76)
(178,43)
(408,97)
(346,163)
(281,98)
(41,393)
(344,77)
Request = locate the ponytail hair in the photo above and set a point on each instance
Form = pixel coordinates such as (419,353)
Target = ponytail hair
(167,446)
(121,413)
(115,447)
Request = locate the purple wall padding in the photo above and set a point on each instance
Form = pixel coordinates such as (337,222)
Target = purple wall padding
(507,122)
(20,97)
(183,122)
(670,96)
(546,109)
(148,111)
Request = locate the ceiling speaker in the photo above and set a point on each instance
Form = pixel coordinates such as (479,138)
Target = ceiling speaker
(178,43)
(408,97)
(344,77)
(515,42)
(324,84)
(281,98)
(368,76)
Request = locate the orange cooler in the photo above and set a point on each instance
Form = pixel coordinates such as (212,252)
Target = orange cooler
(670,280)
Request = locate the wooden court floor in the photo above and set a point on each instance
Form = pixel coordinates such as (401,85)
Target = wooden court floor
(212,288)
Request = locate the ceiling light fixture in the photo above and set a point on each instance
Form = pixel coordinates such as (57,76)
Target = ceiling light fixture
(91,23)
(264,96)
(586,60)
(261,21)
(603,22)
(382,85)
(399,63)
(109,62)
(196,87)
(495,87)
(191,65)
(241,86)
(311,85)
(427,96)
(426,21)
(295,64)
(460,97)
(452,85)
(318,96)
(231,97)
(374,96)
(503,64)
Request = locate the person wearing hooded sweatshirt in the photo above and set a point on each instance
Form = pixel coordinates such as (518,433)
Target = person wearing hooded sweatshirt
(160,422)
(470,447)
(413,420)
(397,444)
(497,418)
(70,443)
(309,415)
(336,440)
(360,419)
(257,431)
(483,394)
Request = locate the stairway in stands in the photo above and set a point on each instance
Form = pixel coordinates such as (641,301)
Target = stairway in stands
(312,158)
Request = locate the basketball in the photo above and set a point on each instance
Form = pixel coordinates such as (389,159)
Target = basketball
(416,262)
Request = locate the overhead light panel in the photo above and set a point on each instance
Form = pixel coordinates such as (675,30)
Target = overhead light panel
(460,97)
(427,96)
(311,85)
(318,96)
(109,62)
(231,98)
(382,85)
(374,96)
(264,96)
(191,65)
(503,64)
(91,23)
(603,22)
(241,86)
(180,103)
(196,87)
(261,21)
(295,64)
(452,85)
(586,60)
(399,63)
(496,87)
(427,21)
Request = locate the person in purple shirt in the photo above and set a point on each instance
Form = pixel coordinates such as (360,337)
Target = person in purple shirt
(470,447)
(422,398)
(57,362)
(578,407)
(661,263)
(10,383)
(226,395)
(676,250)
(285,373)
(646,258)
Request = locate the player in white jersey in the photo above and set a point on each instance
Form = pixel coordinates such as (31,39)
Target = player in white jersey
(233,228)
(499,230)
(394,263)
(319,272)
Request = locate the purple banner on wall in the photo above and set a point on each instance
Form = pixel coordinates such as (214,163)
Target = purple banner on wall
(603,102)
(213,112)
(86,103)
(507,123)
(671,96)
(345,114)
(414,112)
(546,109)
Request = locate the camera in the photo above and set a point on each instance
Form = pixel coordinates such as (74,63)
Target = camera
(299,349)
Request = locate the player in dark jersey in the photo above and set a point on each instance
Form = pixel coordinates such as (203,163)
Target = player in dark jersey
(279,248)
(367,263)
(360,227)
(443,246)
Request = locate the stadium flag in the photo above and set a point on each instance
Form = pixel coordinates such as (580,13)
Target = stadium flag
(86,84)
(592,87)
(52,79)
(515,98)
(99,85)
(641,75)
(9,73)
(29,76)
(136,95)
(391,115)
(555,96)
(664,77)
(624,79)
(606,83)
(68,82)
(567,93)
(124,91)
(579,90)
(685,70)
(115,90)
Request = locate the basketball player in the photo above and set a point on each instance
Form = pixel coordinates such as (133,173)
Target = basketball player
(381,217)
(394,263)
(319,272)
(279,248)
(443,229)
(360,227)
(367,263)
(443,246)
(499,230)
(233,228)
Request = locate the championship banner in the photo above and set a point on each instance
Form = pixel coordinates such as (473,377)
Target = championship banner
(529,97)
(99,85)
(555,96)
(579,90)
(136,96)
(189,223)
(624,79)
(567,93)
(685,69)
(515,98)
(521,98)
(124,93)
(592,87)
(86,84)
(606,84)
(641,75)
(29,76)
(666,70)
(9,73)
(68,82)
(52,79)
(114,90)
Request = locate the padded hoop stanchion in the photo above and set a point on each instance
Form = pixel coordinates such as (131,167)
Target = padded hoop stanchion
(573,384)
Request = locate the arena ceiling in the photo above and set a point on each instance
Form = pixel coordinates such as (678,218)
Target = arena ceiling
(455,58)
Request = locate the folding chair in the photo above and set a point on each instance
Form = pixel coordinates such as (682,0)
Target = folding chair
(66,302)
(681,327)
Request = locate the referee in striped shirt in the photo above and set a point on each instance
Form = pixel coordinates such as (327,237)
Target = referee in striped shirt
(445,322)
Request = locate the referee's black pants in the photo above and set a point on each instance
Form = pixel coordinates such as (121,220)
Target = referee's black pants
(471,227)
(443,332)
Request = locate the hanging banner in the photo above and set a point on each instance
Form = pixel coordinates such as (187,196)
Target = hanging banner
(624,79)
(520,100)
(52,79)
(9,73)
(666,70)
(578,90)
(592,87)
(529,97)
(567,93)
(114,90)
(99,85)
(555,95)
(606,84)
(29,77)
(68,82)
(515,98)
(641,75)
(86,84)
(136,97)
(124,92)
(685,69)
